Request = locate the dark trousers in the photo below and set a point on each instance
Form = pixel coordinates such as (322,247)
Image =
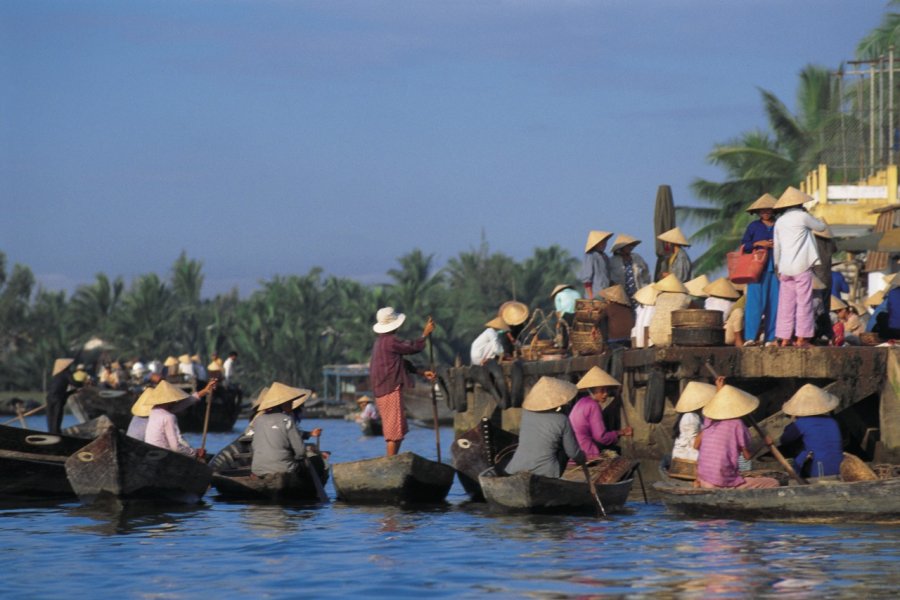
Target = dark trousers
(55,406)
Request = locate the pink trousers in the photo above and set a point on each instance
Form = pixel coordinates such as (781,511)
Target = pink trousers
(795,306)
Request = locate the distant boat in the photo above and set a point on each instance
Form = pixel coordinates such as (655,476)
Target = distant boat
(226,408)
(32,463)
(406,478)
(529,493)
(91,402)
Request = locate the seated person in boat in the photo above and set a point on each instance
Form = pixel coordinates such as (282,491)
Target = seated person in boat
(277,442)
(724,439)
(695,396)
(822,447)
(546,439)
(162,425)
(367,411)
(586,417)
(488,345)
(140,412)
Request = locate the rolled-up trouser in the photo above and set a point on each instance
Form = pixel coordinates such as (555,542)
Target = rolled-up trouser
(795,307)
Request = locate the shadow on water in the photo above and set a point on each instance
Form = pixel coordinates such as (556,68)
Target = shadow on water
(112,516)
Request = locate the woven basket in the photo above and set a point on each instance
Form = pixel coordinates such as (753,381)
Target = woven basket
(693,317)
(869,338)
(589,311)
(587,342)
(535,348)
(683,469)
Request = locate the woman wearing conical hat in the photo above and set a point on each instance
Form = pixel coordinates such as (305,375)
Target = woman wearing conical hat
(586,416)
(594,273)
(724,439)
(546,439)
(762,296)
(140,414)
(277,442)
(694,397)
(627,268)
(822,450)
(795,256)
(678,263)
(162,426)
(488,346)
(722,295)
(643,316)
(61,386)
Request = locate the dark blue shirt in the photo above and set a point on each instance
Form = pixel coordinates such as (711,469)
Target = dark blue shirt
(893,308)
(757,231)
(838,284)
(821,438)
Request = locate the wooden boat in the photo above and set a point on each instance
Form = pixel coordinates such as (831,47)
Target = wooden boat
(91,402)
(824,499)
(236,455)
(370,427)
(530,493)
(294,485)
(122,467)
(90,429)
(419,410)
(404,478)
(32,463)
(479,449)
(226,408)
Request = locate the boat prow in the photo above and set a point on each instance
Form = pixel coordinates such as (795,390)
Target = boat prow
(406,478)
(32,463)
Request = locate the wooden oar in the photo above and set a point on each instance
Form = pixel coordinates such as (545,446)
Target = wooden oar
(762,434)
(314,476)
(25,414)
(20,414)
(206,421)
(631,440)
(590,482)
(434,409)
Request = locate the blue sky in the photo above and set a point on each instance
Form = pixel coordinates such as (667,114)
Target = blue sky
(267,137)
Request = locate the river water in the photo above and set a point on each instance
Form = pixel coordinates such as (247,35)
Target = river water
(237,550)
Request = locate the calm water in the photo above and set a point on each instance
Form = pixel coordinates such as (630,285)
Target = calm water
(231,550)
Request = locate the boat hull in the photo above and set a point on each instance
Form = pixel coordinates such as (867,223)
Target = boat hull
(226,407)
(477,450)
(296,485)
(404,478)
(32,463)
(530,493)
(89,403)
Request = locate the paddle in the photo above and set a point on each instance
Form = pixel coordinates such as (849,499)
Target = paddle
(590,481)
(212,385)
(762,434)
(434,410)
(25,414)
(20,414)
(631,440)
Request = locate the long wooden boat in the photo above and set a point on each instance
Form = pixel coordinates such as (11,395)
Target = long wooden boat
(406,478)
(224,413)
(32,463)
(236,455)
(370,427)
(479,449)
(825,499)
(529,493)
(122,467)
(91,402)
(295,485)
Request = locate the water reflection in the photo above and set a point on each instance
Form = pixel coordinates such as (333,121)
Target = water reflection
(274,520)
(112,516)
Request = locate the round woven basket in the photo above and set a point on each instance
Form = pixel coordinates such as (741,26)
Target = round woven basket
(589,311)
(586,342)
(695,317)
(698,336)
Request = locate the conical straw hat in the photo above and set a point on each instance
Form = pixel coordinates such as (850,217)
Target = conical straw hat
(837,304)
(875,299)
(259,397)
(171,361)
(142,406)
(854,468)
(549,393)
(280,393)
(722,288)
(184,359)
(674,236)
(363,400)
(696,285)
(889,279)
(616,293)
(560,288)
(670,283)
(60,365)
(810,400)
(166,393)
(497,323)
(594,238)
(298,402)
(763,202)
(817,283)
(513,313)
(646,295)
(622,240)
(597,377)
(214,366)
(894,282)
(792,197)
(730,403)
(695,396)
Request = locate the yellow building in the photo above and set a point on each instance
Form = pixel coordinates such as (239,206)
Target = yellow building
(851,210)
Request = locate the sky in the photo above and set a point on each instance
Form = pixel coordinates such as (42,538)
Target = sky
(268,137)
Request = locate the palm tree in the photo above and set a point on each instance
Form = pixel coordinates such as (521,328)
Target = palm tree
(91,307)
(880,39)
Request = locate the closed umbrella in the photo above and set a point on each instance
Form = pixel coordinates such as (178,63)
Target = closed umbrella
(663,220)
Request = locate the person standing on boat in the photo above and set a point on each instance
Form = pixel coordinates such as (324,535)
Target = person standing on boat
(389,373)
(724,439)
(140,414)
(628,269)
(564,297)
(277,441)
(822,451)
(586,417)
(594,273)
(61,387)
(162,425)
(762,295)
(487,345)
(619,316)
(546,439)
(229,368)
(679,264)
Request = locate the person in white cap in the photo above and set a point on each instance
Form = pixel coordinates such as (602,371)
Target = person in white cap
(389,373)
(594,273)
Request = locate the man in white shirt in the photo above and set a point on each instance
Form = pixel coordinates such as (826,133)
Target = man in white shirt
(228,368)
(795,255)
(487,345)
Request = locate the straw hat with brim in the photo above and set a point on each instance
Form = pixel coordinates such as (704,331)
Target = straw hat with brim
(762,203)
(722,288)
(695,396)
(549,393)
(622,240)
(594,238)
(497,323)
(387,320)
(646,295)
(184,359)
(61,364)
(513,313)
(730,403)
(696,286)
(166,393)
(674,236)
(363,400)
(259,397)
(280,393)
(597,377)
(792,197)
(616,293)
(670,283)
(817,283)
(213,367)
(875,299)
(810,400)
(142,406)
(560,288)
(837,304)
(171,361)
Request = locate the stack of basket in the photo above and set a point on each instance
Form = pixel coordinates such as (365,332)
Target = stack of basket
(586,336)
(697,327)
